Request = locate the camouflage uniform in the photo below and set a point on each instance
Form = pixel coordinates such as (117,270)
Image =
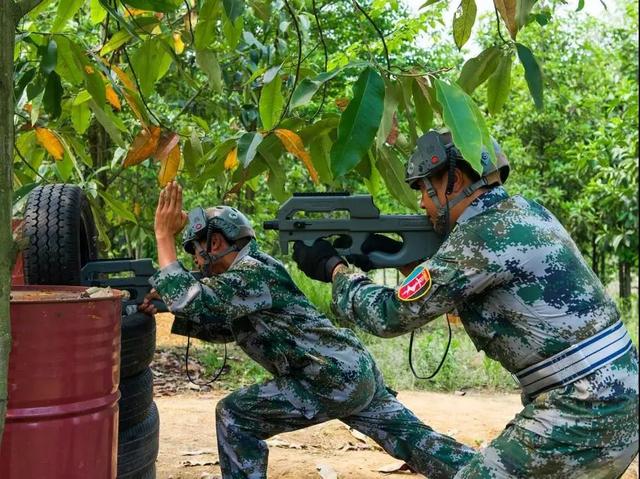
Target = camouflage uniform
(523,293)
(320,372)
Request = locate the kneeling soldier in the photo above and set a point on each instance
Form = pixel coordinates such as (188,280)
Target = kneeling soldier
(320,372)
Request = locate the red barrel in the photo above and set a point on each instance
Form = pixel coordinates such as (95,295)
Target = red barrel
(62,416)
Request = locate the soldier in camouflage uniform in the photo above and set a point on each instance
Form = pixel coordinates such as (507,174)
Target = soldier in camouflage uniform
(320,372)
(527,298)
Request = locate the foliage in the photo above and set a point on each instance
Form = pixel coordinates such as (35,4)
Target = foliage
(206,88)
(579,157)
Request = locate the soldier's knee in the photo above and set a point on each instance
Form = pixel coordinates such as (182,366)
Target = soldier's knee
(224,408)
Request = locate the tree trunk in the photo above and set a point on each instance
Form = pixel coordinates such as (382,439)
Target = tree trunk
(603,267)
(8,18)
(10,14)
(624,278)
(594,256)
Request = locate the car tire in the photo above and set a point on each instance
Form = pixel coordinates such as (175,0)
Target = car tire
(61,233)
(138,447)
(136,396)
(138,343)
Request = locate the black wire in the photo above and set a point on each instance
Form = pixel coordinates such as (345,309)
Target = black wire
(378,31)
(215,377)
(326,59)
(444,356)
(299,62)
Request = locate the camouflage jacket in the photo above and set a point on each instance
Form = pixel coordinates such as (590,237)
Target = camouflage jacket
(257,304)
(517,280)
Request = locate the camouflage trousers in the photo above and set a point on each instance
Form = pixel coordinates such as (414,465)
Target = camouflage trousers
(247,417)
(587,429)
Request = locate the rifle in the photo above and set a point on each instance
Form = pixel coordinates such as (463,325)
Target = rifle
(131,275)
(419,239)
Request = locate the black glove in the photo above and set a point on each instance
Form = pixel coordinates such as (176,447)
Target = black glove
(374,242)
(317,261)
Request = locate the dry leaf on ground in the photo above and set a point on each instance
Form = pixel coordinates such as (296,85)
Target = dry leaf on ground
(326,471)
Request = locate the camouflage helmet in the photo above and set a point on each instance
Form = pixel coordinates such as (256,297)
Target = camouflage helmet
(228,221)
(434,150)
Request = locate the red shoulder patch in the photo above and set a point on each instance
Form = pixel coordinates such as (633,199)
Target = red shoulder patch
(416,285)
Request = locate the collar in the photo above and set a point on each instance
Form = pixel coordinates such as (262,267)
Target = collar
(250,248)
(483,202)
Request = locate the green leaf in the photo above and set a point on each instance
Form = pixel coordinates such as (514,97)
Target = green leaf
(427,3)
(580,7)
(499,85)
(193,154)
(206,30)
(270,150)
(359,122)
(461,121)
(309,86)
(150,62)
(53,96)
(484,129)
(271,103)
(118,208)
(392,171)
(117,40)
(233,9)
(232,31)
(523,8)
(70,62)
(49,58)
(532,73)
(262,9)
(392,97)
(25,79)
(463,21)
(66,10)
(98,13)
(247,147)
(476,70)
(208,62)
(406,92)
(165,6)
(107,122)
(320,150)
(23,191)
(64,168)
(94,84)
(80,117)
(424,112)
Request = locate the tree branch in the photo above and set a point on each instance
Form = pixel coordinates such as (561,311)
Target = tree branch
(25,6)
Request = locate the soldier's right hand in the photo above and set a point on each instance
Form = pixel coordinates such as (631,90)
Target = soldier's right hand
(147,306)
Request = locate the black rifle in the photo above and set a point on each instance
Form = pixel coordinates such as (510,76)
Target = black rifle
(419,239)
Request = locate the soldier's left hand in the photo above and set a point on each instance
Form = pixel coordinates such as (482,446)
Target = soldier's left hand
(170,218)
(317,261)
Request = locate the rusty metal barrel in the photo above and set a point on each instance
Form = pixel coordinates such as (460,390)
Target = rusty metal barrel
(62,415)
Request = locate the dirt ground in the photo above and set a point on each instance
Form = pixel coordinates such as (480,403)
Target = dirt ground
(188,447)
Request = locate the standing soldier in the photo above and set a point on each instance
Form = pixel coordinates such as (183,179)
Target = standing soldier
(527,298)
(320,372)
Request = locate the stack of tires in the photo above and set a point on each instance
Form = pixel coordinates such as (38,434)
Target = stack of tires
(62,238)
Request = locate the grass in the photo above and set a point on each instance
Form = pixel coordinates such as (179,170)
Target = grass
(464,367)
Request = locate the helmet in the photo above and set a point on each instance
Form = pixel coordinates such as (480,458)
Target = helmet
(434,150)
(224,219)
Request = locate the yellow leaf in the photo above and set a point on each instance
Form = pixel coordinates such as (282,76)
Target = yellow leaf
(507,9)
(88,69)
(137,209)
(293,144)
(169,166)
(124,78)
(178,44)
(166,145)
(231,161)
(133,12)
(112,98)
(49,140)
(144,145)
